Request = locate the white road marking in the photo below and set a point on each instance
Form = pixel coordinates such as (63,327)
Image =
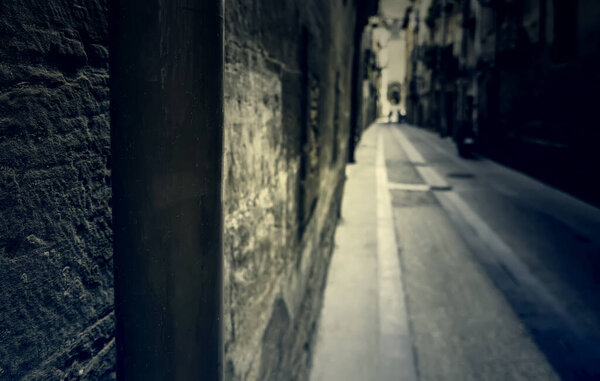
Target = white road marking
(396,355)
(410,187)
(428,174)
(489,246)
(411,152)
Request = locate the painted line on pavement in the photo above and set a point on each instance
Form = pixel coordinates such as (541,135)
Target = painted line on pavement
(489,247)
(410,187)
(395,345)
(418,187)
(428,174)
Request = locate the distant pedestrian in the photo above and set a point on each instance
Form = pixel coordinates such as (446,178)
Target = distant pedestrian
(390,116)
(399,117)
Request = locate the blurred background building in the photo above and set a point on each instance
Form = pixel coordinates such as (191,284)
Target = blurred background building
(521,74)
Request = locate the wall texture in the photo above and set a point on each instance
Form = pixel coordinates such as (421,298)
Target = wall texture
(56,295)
(287,108)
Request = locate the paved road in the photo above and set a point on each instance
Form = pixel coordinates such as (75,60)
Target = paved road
(498,275)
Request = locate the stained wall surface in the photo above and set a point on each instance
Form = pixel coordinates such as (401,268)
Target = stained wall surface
(287,108)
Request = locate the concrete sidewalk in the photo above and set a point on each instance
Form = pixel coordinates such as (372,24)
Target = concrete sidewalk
(419,308)
(348,328)
(363,330)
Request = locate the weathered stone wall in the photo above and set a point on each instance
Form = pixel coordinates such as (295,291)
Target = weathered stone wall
(287,109)
(56,293)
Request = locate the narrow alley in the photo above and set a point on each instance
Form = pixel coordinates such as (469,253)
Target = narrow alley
(494,274)
(268,190)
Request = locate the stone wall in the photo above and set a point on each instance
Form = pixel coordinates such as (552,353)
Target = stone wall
(56,293)
(287,109)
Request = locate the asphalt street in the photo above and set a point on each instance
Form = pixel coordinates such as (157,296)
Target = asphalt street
(457,269)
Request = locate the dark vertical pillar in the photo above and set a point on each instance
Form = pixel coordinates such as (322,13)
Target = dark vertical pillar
(166,68)
(364,9)
(356,90)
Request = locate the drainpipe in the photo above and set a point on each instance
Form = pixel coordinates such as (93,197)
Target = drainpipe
(166,69)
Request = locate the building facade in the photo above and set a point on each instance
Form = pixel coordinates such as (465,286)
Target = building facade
(521,74)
